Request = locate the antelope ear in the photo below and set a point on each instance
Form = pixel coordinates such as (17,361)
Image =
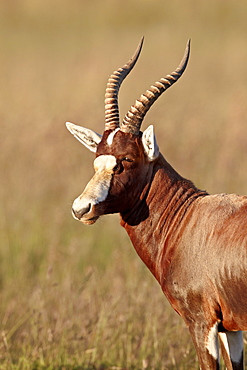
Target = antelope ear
(87,137)
(150,144)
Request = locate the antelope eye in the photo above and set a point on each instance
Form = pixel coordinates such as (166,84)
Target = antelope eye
(126,159)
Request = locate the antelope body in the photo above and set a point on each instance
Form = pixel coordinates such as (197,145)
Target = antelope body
(195,244)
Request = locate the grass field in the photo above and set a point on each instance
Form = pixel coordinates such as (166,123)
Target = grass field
(75,297)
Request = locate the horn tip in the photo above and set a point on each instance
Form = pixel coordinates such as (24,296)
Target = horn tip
(188,45)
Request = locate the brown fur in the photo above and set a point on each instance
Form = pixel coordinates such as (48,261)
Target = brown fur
(194,243)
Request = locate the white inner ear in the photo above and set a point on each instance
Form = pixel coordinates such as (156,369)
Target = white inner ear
(87,137)
(150,144)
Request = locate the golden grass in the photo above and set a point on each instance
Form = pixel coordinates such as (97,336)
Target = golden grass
(75,297)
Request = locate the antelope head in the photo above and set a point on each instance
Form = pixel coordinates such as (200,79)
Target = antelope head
(125,156)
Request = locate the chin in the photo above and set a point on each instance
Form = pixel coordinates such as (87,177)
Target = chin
(89,221)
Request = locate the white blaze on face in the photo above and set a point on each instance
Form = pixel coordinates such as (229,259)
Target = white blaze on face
(97,189)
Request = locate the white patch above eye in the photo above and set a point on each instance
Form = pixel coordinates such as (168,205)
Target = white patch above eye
(105,162)
(110,138)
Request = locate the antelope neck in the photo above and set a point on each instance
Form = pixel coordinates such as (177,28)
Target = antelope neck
(161,213)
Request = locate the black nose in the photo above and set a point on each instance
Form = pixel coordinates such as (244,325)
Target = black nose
(80,213)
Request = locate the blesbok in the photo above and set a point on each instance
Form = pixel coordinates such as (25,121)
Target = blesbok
(195,244)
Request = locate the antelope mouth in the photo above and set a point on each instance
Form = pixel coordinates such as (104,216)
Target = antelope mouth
(89,221)
(85,219)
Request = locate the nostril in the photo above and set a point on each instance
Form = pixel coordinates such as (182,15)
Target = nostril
(81,212)
(86,209)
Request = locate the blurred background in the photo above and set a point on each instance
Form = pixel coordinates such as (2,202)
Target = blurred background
(74,296)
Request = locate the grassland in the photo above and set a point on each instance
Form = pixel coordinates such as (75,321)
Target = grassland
(75,297)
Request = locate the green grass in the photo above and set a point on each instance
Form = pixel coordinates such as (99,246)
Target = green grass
(76,297)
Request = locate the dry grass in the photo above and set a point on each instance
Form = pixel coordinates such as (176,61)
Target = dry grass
(75,297)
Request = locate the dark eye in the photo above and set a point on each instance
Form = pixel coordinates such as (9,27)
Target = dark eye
(119,166)
(126,159)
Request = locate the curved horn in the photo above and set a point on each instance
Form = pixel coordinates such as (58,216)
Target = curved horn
(134,117)
(113,85)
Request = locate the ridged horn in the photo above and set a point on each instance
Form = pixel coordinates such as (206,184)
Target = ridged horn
(112,89)
(134,117)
